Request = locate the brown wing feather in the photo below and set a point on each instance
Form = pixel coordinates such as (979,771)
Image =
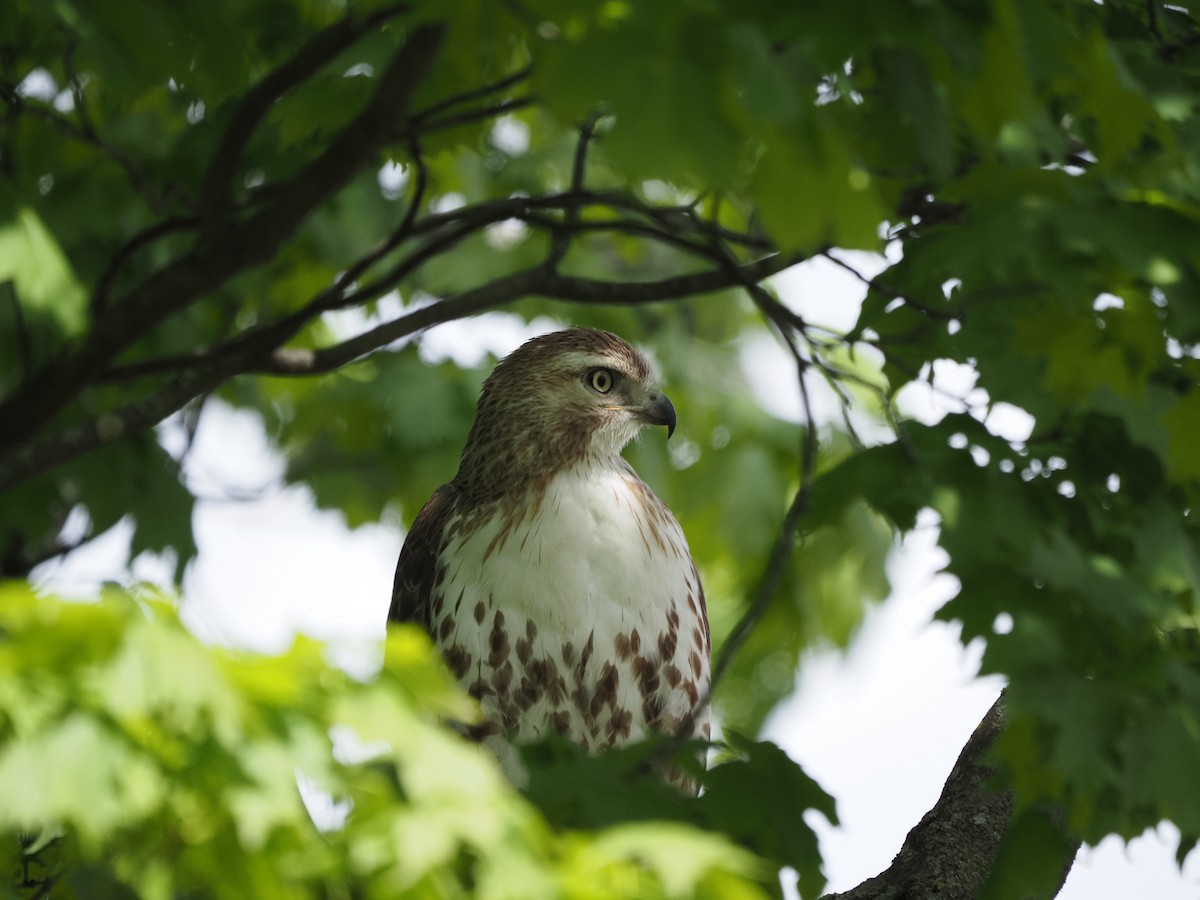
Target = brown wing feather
(416,570)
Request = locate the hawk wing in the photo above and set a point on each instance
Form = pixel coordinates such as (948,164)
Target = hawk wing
(417,568)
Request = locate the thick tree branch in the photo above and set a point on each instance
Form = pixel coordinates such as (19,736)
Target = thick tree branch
(223,252)
(950,853)
(216,194)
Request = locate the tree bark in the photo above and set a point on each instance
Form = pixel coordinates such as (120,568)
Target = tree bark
(950,853)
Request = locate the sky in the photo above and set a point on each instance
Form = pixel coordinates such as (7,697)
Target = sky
(879,725)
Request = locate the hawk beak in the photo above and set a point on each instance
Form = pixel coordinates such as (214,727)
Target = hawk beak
(660,412)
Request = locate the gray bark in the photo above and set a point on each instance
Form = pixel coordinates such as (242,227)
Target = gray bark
(949,854)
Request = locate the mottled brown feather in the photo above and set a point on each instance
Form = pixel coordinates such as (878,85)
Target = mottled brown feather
(417,568)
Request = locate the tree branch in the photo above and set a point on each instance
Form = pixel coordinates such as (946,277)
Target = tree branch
(536,282)
(471,96)
(950,853)
(216,193)
(222,252)
(561,237)
(260,354)
(466,117)
(145,237)
(785,540)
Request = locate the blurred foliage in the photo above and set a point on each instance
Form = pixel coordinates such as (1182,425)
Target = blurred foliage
(138,762)
(1032,165)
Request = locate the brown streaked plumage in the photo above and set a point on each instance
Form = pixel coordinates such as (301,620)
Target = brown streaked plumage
(558,586)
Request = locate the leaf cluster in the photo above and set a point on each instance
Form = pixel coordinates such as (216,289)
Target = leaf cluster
(137,761)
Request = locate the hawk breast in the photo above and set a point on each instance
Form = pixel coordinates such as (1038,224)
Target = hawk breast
(579,613)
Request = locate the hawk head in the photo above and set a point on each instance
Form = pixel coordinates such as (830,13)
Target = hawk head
(557,400)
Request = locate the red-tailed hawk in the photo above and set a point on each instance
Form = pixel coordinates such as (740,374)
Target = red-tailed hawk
(558,586)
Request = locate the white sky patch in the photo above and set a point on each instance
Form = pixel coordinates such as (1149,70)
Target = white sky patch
(1009,422)
(393,179)
(1144,868)
(448,203)
(270,562)
(771,372)
(211,472)
(511,135)
(952,389)
(346,323)
(469,341)
(271,567)
(506,234)
(825,293)
(38,85)
(658,191)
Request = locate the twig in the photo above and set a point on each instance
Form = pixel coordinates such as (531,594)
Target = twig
(154,198)
(449,230)
(1152,16)
(781,552)
(560,240)
(413,129)
(471,96)
(145,237)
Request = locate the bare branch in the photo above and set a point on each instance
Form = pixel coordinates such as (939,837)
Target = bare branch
(448,229)
(463,118)
(536,282)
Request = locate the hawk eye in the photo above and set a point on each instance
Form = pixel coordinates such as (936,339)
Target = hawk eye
(600,380)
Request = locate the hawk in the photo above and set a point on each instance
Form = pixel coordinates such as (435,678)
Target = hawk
(558,587)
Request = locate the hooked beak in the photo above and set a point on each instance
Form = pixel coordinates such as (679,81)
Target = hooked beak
(660,412)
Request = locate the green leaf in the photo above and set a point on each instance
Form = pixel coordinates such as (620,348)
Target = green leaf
(574,790)
(51,299)
(733,801)
(43,781)
(679,858)
(1182,424)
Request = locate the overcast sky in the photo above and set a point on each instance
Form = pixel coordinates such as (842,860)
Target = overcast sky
(879,726)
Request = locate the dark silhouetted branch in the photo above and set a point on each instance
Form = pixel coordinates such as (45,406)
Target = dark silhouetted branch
(536,282)
(261,354)
(216,194)
(223,252)
(950,853)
